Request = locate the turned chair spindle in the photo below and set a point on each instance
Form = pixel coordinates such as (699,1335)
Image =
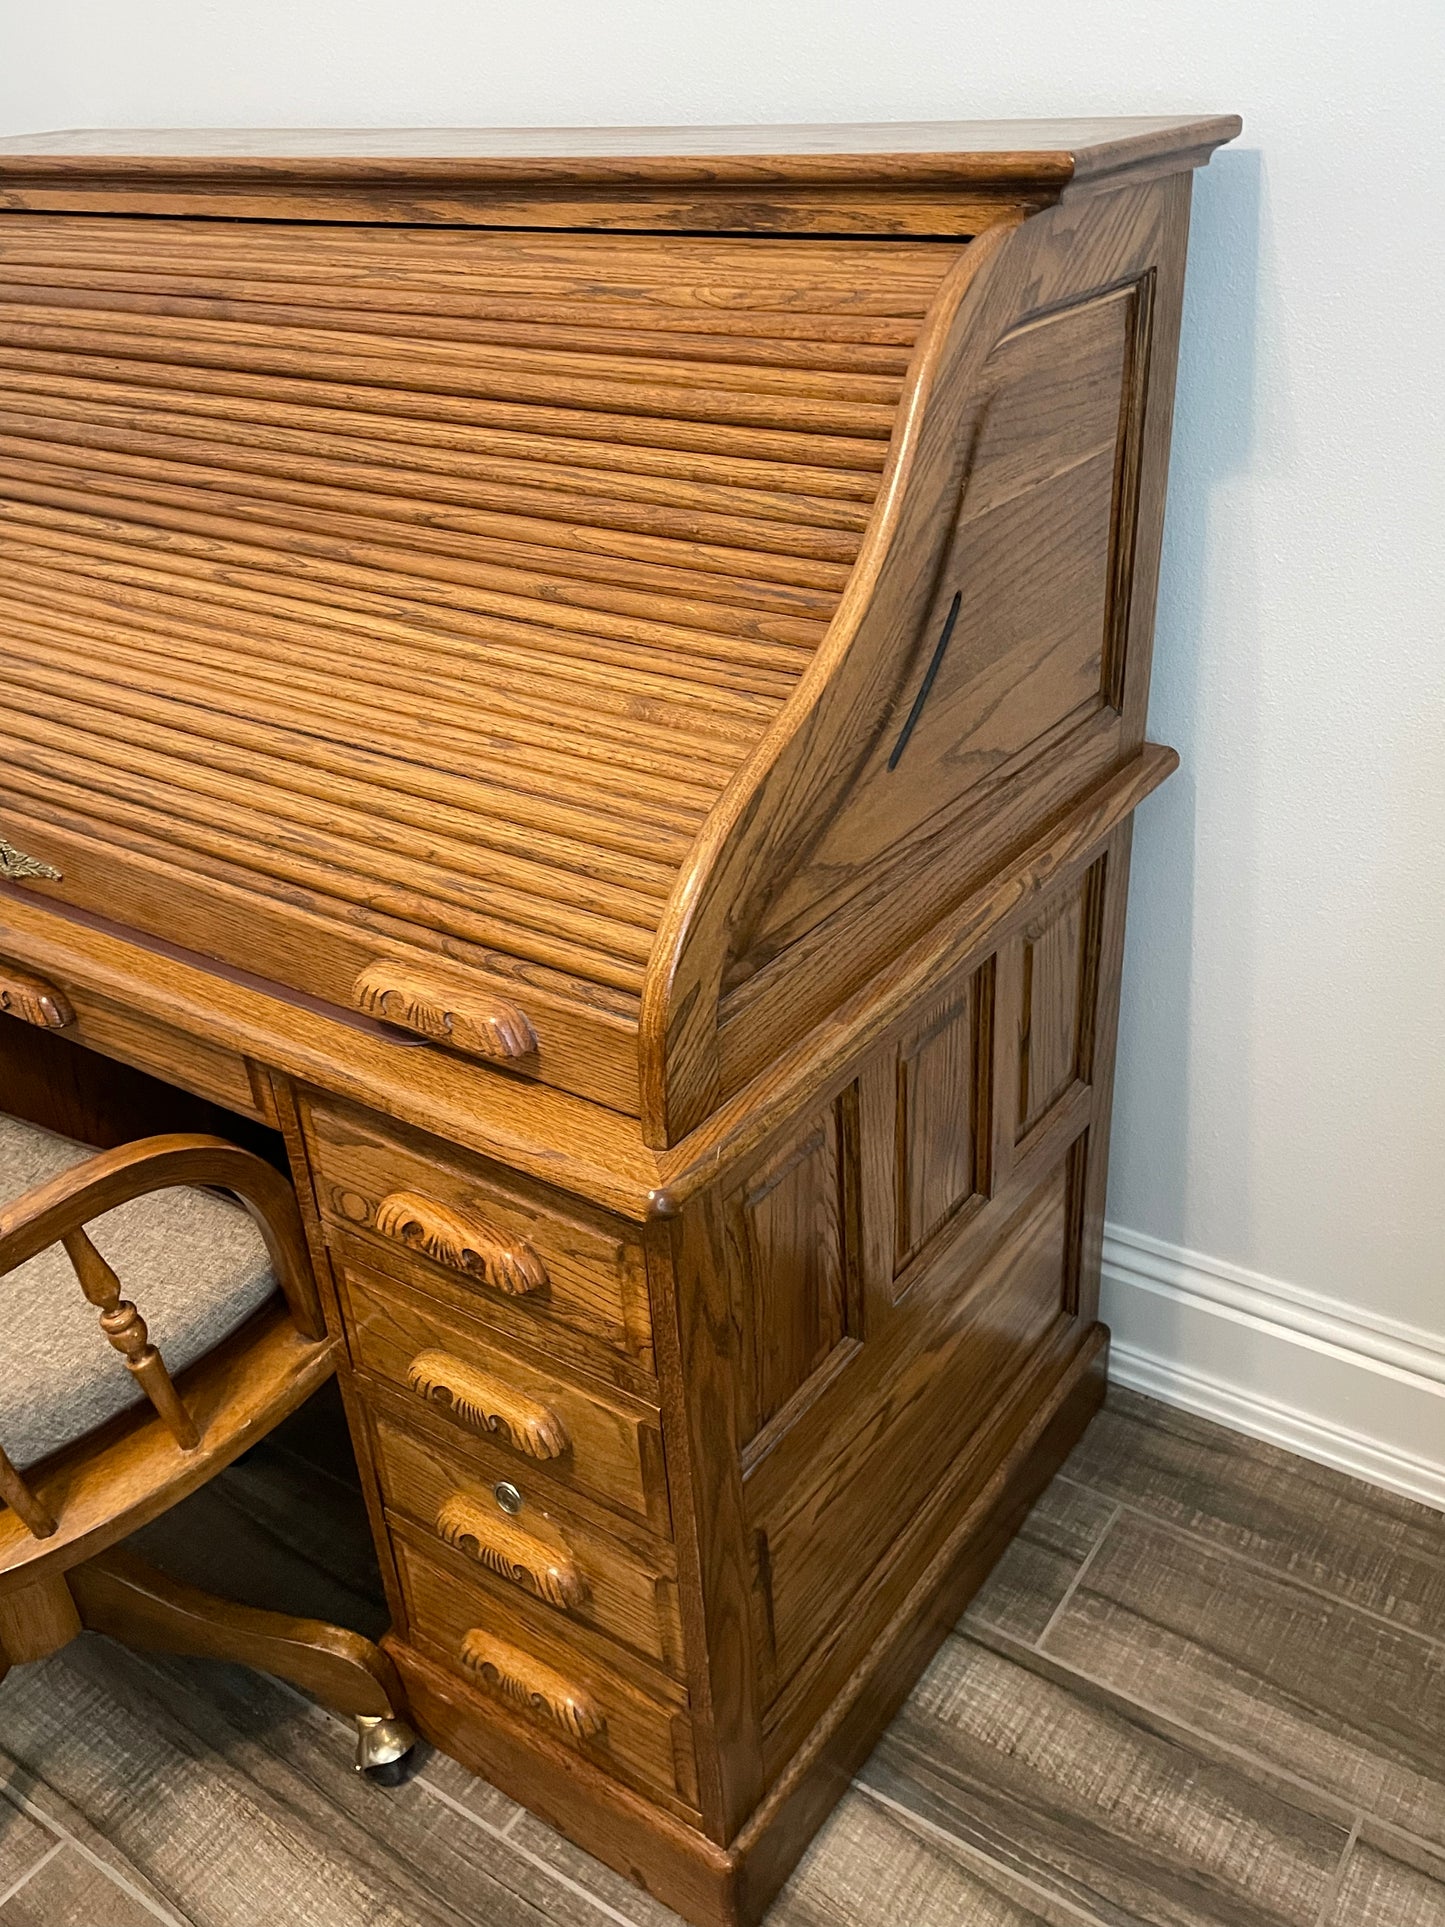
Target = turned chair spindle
(23,1502)
(126,1330)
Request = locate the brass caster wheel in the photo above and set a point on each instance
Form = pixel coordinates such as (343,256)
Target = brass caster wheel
(383,1745)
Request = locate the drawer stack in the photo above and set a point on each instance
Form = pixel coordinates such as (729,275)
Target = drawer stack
(501,1346)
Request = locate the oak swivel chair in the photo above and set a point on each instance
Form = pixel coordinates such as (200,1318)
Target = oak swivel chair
(92,1445)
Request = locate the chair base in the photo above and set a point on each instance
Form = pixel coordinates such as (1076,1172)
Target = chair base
(119,1594)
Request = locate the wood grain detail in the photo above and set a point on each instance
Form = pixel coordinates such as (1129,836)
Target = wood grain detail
(886,1433)
(574,510)
(626,1574)
(463,1241)
(595,1279)
(512,1553)
(486,1403)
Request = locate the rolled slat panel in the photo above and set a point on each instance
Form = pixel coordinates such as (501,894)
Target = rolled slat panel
(425,586)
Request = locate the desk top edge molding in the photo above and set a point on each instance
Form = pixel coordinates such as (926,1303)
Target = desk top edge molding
(972,153)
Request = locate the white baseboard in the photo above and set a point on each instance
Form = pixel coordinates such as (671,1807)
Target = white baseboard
(1362,1393)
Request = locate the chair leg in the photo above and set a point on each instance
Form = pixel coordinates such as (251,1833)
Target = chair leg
(35,1622)
(119,1594)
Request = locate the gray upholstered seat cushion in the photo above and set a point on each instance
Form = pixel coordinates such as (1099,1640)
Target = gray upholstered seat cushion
(194,1265)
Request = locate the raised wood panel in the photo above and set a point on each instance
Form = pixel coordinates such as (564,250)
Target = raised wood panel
(941,1130)
(788,1243)
(1011,572)
(1051,1005)
(910,1405)
(1031,562)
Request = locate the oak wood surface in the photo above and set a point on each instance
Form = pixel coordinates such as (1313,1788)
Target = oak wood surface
(129,1077)
(596,685)
(119,1594)
(574,1266)
(33,1000)
(641,1734)
(985,151)
(549,1549)
(946,177)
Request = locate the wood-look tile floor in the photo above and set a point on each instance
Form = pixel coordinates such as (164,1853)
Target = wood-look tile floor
(1204,1688)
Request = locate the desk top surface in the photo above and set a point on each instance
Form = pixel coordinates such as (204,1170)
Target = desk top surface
(956,152)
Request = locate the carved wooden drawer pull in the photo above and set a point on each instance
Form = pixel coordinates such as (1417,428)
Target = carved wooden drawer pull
(465,1243)
(33,1000)
(528,1683)
(500,1544)
(475,1022)
(488,1404)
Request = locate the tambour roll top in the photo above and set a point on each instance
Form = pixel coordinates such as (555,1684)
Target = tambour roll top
(409,613)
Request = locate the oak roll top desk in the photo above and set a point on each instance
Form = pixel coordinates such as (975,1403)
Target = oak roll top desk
(589,688)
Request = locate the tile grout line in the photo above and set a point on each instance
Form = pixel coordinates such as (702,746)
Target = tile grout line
(976,1854)
(1433,1640)
(57,1846)
(1337,1878)
(1021,1650)
(112,1874)
(525,1853)
(1073,1585)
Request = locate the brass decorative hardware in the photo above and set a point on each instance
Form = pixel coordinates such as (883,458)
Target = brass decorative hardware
(15,863)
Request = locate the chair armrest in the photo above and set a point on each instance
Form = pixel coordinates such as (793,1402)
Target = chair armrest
(44,1215)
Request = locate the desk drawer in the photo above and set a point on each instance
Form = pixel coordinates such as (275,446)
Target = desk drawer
(445,1220)
(631,1731)
(52,1001)
(594,1438)
(540,1550)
